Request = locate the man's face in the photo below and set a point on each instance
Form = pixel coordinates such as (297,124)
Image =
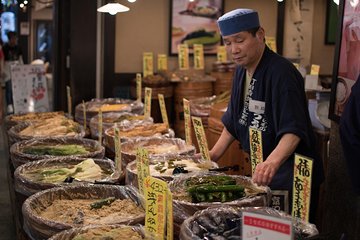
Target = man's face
(245,48)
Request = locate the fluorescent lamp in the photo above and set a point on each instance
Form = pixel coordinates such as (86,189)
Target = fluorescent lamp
(113,8)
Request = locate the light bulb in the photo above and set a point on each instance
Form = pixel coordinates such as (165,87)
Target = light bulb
(22,5)
(280,0)
(132,1)
(26,2)
(113,12)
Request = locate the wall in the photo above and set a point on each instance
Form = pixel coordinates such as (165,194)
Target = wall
(146,28)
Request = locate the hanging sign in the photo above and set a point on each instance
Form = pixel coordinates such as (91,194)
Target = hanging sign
(256,226)
(162,62)
(221,54)
(183,56)
(138,87)
(187,121)
(163,109)
(199,56)
(201,138)
(155,191)
(147,110)
(148,64)
(302,187)
(117,143)
(256,152)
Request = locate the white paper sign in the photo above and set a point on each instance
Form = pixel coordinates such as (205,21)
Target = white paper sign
(261,227)
(30,93)
(311,82)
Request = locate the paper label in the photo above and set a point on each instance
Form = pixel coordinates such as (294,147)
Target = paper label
(142,165)
(315,69)
(169,216)
(256,226)
(162,62)
(183,56)
(148,64)
(302,187)
(117,143)
(296,65)
(201,137)
(221,54)
(147,110)
(256,106)
(155,206)
(69,100)
(163,109)
(271,43)
(311,82)
(84,113)
(187,119)
(100,126)
(256,152)
(138,87)
(198,56)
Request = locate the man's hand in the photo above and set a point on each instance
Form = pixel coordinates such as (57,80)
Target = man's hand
(264,172)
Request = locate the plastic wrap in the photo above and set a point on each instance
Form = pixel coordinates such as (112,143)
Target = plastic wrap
(201,106)
(109,135)
(92,106)
(27,186)
(14,119)
(18,157)
(256,196)
(225,223)
(39,228)
(71,233)
(131,168)
(14,135)
(112,118)
(128,149)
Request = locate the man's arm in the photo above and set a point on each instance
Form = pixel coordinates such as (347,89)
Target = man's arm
(221,145)
(265,171)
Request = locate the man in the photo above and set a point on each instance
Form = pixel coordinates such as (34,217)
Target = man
(268,95)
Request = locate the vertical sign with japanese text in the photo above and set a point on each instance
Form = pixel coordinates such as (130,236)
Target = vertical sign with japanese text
(142,165)
(201,138)
(162,62)
(169,216)
(148,64)
(163,109)
(315,69)
(138,87)
(117,144)
(198,56)
(69,100)
(187,121)
(302,187)
(147,110)
(100,126)
(221,54)
(84,113)
(256,152)
(271,43)
(183,56)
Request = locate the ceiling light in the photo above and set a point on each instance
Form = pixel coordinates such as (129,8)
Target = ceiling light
(132,1)
(113,8)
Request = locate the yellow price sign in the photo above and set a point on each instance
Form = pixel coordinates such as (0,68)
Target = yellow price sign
(148,94)
(183,56)
(69,100)
(256,148)
(138,87)
(271,43)
(201,138)
(221,54)
(142,166)
(117,143)
(187,121)
(199,56)
(162,62)
(315,69)
(302,187)
(163,109)
(148,64)
(84,113)
(169,216)
(100,126)
(155,192)
(296,65)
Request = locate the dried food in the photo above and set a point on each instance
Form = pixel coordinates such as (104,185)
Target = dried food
(108,233)
(56,150)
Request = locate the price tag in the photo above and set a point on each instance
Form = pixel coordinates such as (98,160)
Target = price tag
(256,152)
(138,87)
(315,69)
(201,138)
(271,43)
(148,64)
(162,62)
(147,110)
(84,112)
(257,226)
(69,100)
(183,56)
(296,65)
(302,187)
(280,200)
(221,54)
(142,165)
(198,56)
(187,121)
(155,206)
(163,109)
(100,126)
(169,216)
(117,144)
